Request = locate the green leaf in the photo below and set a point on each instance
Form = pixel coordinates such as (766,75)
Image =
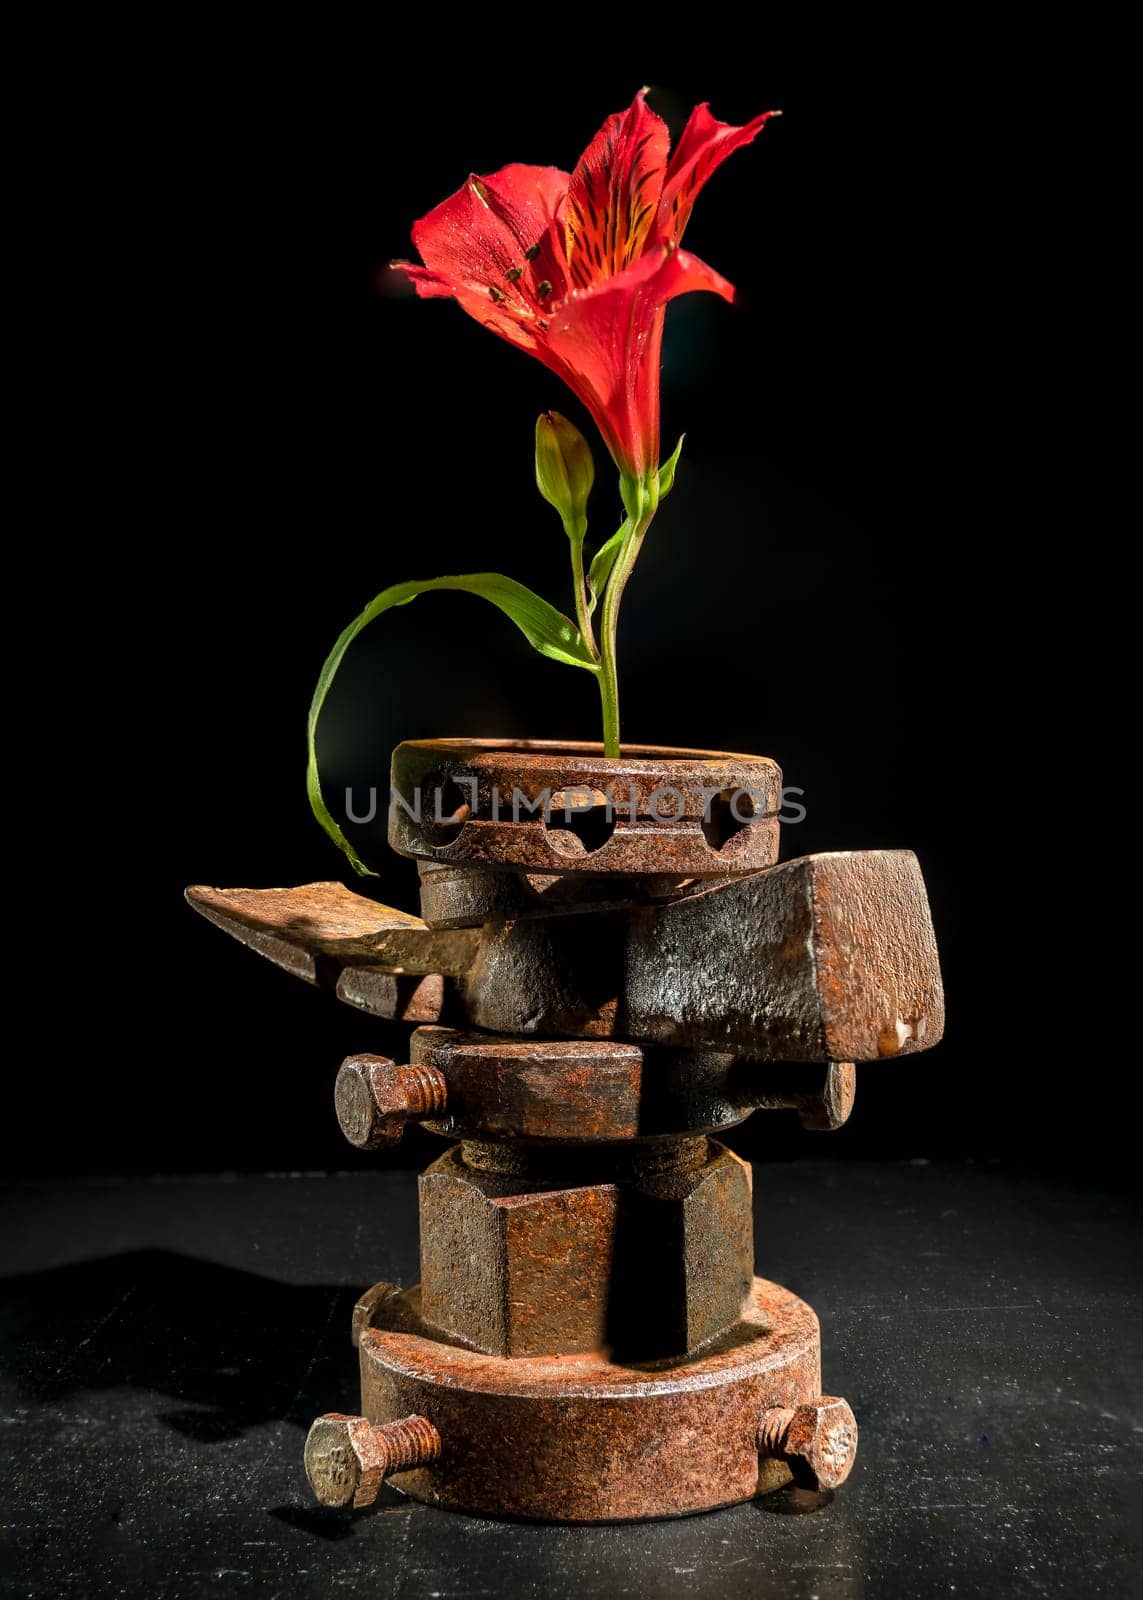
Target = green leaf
(667,470)
(546,630)
(601,565)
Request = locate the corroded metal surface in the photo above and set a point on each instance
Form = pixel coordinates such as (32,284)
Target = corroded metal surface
(465,896)
(625,972)
(396,998)
(833,958)
(374,1098)
(653,1265)
(600,1090)
(565,808)
(830,957)
(818,1440)
(522,1093)
(827,958)
(299,928)
(582,1438)
(822,1096)
(348,1458)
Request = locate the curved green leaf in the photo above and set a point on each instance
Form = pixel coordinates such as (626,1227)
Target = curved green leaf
(667,470)
(546,630)
(601,565)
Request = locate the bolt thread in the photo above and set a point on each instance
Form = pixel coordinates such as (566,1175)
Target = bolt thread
(773,1428)
(425,1091)
(412,1442)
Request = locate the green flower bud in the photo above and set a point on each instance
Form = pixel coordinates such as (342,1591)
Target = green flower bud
(565,470)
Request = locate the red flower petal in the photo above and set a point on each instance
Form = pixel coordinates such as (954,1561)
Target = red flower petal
(605,343)
(510,321)
(530,200)
(484,237)
(701,150)
(613,194)
(579,270)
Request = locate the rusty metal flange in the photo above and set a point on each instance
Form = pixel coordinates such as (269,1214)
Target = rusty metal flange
(582,1439)
(549,807)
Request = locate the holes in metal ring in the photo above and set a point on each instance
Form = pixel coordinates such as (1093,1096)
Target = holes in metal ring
(578,822)
(445,810)
(729,815)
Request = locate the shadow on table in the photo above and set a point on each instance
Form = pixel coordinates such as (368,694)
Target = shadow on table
(232,1349)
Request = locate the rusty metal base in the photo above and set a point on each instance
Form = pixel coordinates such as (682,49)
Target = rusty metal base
(579,1438)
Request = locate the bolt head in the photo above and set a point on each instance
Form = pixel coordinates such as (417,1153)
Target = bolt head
(332,1464)
(370,1102)
(821,1443)
(833,1109)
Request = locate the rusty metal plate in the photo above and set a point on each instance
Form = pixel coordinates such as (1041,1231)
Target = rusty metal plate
(326,926)
(566,808)
(581,1439)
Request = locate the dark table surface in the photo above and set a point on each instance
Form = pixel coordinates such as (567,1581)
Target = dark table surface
(167,1343)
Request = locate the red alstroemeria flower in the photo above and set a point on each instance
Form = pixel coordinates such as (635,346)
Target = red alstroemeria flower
(578,271)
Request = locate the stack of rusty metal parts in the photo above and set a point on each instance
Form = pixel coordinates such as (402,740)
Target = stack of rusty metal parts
(609,970)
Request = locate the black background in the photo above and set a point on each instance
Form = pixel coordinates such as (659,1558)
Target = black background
(837,580)
(893,531)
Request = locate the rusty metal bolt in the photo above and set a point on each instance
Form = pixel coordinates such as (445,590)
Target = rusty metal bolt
(375,1097)
(822,1096)
(817,1441)
(830,1107)
(348,1458)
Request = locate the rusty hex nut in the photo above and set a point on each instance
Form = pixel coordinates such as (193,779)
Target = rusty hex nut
(816,1440)
(649,1268)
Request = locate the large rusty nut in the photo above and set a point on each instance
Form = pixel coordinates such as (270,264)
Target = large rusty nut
(566,808)
(649,1267)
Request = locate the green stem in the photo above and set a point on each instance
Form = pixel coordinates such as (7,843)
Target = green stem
(640,517)
(579,582)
